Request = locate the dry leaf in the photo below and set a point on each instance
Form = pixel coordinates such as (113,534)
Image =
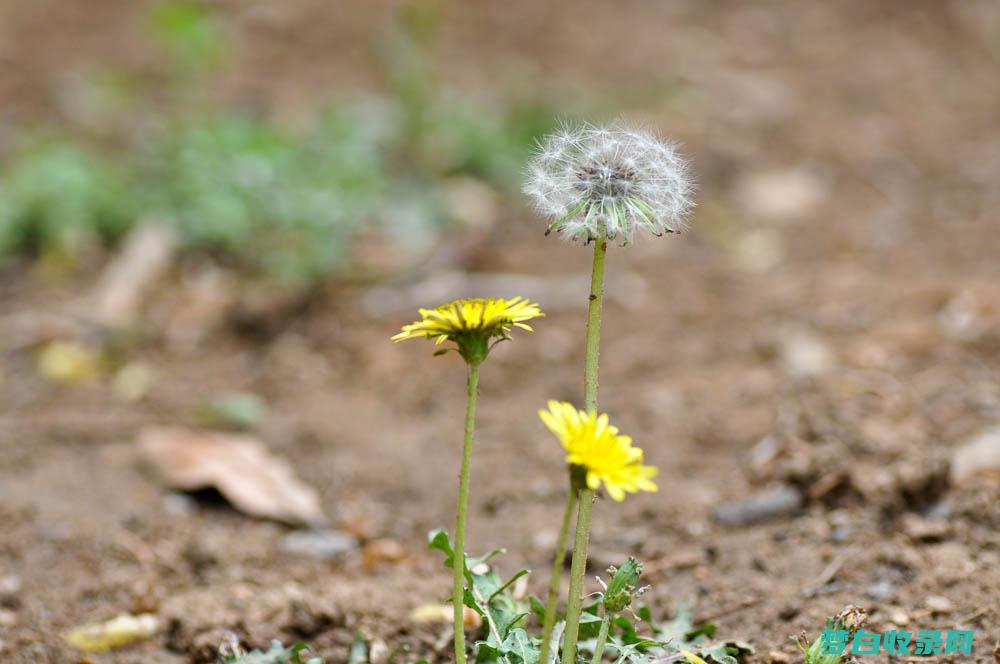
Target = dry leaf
(115,633)
(240,467)
(68,363)
(144,257)
(444,614)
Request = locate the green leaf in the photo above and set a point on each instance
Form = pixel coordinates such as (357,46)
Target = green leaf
(518,575)
(590,624)
(505,619)
(276,654)
(537,608)
(704,629)
(520,648)
(470,601)
(439,540)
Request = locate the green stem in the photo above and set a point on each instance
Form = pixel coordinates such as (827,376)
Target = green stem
(576,572)
(594,326)
(557,566)
(602,637)
(586,499)
(458,597)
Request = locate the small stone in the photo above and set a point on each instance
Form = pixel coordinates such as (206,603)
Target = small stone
(881,590)
(899,618)
(778,657)
(805,355)
(323,544)
(7,618)
(840,534)
(10,585)
(179,503)
(979,455)
(383,551)
(939,604)
(939,510)
(920,529)
(779,501)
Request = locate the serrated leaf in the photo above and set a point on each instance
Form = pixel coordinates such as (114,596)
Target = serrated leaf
(520,648)
(505,619)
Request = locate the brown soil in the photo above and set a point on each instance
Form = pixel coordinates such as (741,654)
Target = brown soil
(887,110)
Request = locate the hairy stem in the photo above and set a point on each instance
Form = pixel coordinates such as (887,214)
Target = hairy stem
(557,566)
(458,563)
(594,326)
(576,572)
(602,637)
(586,499)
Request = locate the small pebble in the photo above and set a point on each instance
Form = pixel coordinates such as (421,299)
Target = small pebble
(979,455)
(840,534)
(881,590)
(179,504)
(939,510)
(900,618)
(323,544)
(10,585)
(920,529)
(778,657)
(773,503)
(939,604)
(805,355)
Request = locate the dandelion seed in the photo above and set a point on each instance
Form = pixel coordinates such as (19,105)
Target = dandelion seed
(475,325)
(607,457)
(606,182)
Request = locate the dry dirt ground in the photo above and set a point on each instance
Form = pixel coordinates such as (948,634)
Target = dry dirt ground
(839,293)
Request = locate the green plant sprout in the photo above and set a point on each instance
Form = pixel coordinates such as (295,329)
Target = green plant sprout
(850,620)
(475,326)
(280,204)
(275,654)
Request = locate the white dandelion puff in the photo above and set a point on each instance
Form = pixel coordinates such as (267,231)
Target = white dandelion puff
(600,182)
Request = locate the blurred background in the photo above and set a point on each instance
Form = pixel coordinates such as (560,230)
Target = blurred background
(214,215)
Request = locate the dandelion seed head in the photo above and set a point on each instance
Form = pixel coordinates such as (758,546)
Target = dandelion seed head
(597,182)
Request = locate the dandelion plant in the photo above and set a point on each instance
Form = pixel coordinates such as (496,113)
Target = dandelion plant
(597,455)
(475,326)
(598,185)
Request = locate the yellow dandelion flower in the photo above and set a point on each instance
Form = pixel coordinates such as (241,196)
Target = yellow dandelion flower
(472,324)
(608,457)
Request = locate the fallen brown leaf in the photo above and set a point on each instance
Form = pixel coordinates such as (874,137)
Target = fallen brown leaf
(240,467)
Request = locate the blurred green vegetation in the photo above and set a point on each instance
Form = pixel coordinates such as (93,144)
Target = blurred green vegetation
(280,203)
